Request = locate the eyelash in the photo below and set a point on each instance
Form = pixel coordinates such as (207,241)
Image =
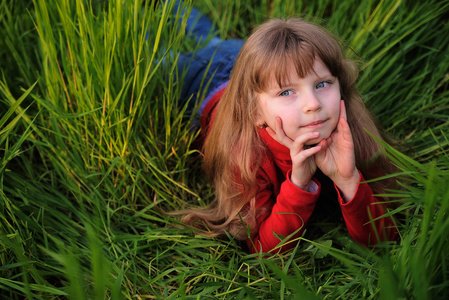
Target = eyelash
(326,81)
(321,82)
(280,94)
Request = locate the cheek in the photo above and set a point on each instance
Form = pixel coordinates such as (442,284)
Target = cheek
(334,104)
(268,112)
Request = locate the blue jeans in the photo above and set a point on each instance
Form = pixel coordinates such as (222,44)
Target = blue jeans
(220,54)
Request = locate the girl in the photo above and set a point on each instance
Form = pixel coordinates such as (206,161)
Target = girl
(286,134)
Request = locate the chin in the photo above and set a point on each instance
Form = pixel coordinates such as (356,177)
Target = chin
(315,142)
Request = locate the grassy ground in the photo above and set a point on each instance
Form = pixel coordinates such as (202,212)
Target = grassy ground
(94,147)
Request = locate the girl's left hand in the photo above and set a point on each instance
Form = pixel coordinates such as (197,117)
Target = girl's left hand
(337,159)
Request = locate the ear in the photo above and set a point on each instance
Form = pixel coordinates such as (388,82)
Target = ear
(260,122)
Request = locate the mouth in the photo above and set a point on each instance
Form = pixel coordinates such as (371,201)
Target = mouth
(315,124)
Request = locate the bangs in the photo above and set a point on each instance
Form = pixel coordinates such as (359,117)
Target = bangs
(280,60)
(280,50)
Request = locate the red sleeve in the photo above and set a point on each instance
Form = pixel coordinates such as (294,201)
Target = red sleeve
(290,212)
(363,217)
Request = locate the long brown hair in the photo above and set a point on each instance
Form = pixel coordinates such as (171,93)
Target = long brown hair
(233,150)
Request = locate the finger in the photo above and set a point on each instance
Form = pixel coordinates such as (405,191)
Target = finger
(271,132)
(298,144)
(281,137)
(325,143)
(343,110)
(275,136)
(344,128)
(343,134)
(342,124)
(305,154)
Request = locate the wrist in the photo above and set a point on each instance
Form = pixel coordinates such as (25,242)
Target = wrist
(348,186)
(303,186)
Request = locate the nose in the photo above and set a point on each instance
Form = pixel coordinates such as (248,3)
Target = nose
(311,102)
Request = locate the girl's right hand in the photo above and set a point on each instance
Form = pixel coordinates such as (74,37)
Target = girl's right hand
(303,162)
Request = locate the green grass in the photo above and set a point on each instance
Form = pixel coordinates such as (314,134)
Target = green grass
(94,148)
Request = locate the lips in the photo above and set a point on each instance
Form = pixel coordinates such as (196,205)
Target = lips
(315,124)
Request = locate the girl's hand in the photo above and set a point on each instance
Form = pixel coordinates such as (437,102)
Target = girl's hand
(337,159)
(303,163)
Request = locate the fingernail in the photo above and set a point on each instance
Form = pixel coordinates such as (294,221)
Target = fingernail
(316,133)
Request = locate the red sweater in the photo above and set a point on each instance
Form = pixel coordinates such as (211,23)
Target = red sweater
(286,208)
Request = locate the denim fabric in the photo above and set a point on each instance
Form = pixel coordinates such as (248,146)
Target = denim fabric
(220,54)
(221,58)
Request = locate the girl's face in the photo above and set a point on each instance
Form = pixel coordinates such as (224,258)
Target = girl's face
(306,104)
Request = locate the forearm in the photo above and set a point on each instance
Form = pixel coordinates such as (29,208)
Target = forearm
(289,215)
(363,217)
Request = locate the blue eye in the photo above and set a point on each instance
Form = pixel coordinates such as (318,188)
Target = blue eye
(322,84)
(285,93)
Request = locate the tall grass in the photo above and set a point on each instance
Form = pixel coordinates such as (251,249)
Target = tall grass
(95,146)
